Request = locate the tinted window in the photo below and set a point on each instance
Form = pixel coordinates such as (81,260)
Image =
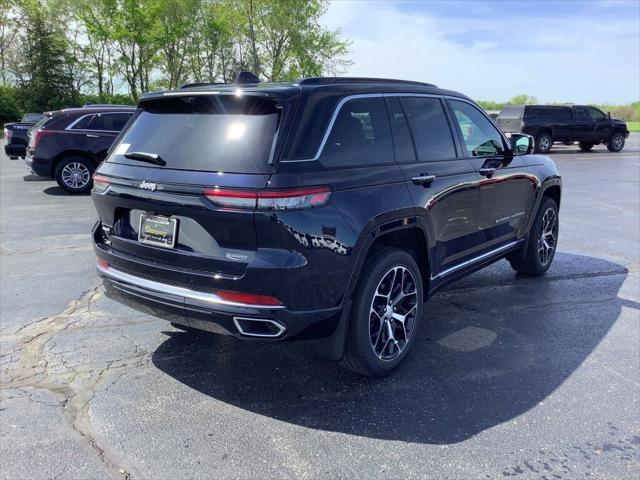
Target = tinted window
(221,133)
(360,135)
(402,143)
(112,122)
(82,122)
(430,128)
(596,114)
(549,113)
(511,112)
(480,136)
(581,113)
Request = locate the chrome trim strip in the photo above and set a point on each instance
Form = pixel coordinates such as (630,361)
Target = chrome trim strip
(72,124)
(281,328)
(471,261)
(210,298)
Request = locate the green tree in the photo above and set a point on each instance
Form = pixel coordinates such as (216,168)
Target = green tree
(47,84)
(522,100)
(283,39)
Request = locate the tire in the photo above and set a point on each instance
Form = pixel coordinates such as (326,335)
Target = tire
(73,174)
(378,342)
(616,142)
(544,142)
(539,256)
(585,146)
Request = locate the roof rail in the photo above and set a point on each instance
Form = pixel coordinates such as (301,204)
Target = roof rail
(200,84)
(334,80)
(105,105)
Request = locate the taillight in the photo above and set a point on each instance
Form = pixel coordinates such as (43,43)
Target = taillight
(290,199)
(248,298)
(40,134)
(100,183)
(8,134)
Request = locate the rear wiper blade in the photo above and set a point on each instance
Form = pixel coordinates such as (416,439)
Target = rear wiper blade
(146,157)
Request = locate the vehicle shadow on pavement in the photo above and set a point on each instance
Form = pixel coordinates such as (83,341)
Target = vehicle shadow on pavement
(491,347)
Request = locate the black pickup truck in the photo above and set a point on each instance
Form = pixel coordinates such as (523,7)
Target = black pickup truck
(16,134)
(567,124)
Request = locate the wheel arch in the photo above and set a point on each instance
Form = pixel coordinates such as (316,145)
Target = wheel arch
(70,153)
(405,234)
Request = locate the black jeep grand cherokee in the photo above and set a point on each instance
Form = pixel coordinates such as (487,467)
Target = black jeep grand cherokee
(325,209)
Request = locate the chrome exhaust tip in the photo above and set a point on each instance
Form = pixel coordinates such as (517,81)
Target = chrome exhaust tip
(259,327)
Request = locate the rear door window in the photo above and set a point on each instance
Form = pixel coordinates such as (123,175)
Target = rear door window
(481,138)
(360,135)
(402,141)
(430,128)
(222,133)
(109,122)
(81,123)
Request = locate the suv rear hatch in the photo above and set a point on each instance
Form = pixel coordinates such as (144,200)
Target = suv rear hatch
(172,194)
(510,119)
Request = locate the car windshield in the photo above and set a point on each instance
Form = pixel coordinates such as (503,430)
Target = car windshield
(222,133)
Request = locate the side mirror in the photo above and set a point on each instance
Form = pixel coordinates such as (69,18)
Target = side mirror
(521,144)
(609,115)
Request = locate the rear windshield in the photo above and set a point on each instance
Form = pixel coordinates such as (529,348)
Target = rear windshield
(510,112)
(32,117)
(41,122)
(221,133)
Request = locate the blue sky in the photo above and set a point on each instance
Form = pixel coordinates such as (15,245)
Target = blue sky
(557,50)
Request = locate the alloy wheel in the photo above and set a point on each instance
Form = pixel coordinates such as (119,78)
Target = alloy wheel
(76,175)
(544,143)
(392,316)
(548,236)
(617,141)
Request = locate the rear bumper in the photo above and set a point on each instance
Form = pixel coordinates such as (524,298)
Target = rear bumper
(39,167)
(205,310)
(15,150)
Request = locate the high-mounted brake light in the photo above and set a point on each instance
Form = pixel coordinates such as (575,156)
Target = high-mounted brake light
(289,199)
(248,298)
(100,182)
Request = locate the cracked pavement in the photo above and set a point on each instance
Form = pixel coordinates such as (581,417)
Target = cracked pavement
(509,377)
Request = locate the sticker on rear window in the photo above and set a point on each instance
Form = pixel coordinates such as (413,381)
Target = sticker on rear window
(122,148)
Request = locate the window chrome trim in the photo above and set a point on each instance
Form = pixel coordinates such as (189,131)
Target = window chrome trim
(164,288)
(72,124)
(479,258)
(344,100)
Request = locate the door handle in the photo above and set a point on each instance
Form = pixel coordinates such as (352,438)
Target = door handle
(487,171)
(92,136)
(425,180)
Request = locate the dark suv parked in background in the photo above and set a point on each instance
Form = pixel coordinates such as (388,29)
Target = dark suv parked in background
(567,124)
(69,144)
(16,134)
(325,209)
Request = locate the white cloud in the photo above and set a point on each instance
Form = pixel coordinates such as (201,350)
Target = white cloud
(579,59)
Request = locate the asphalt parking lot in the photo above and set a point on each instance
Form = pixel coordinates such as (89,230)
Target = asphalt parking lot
(511,376)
